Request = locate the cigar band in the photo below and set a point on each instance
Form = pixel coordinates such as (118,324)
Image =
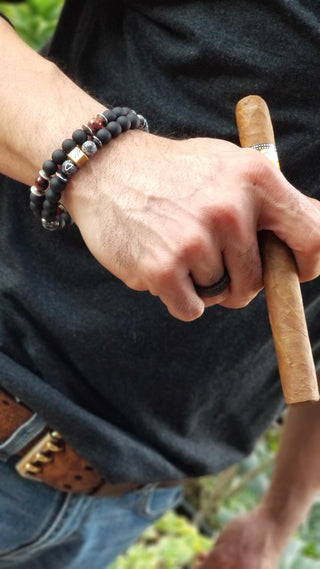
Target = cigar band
(269,151)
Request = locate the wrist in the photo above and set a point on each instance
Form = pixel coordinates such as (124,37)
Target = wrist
(285,514)
(112,170)
(47,192)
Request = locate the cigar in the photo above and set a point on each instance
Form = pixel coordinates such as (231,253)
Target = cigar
(280,274)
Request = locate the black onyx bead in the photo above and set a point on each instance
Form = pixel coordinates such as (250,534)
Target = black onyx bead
(79,136)
(110,116)
(59,156)
(65,219)
(48,215)
(118,111)
(114,128)
(49,167)
(68,145)
(124,122)
(48,206)
(104,135)
(134,119)
(52,196)
(126,111)
(57,185)
(37,200)
(36,209)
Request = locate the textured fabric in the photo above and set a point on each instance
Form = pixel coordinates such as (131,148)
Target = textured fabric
(142,396)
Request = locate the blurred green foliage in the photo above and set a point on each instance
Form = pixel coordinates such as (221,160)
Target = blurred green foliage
(34,20)
(171,543)
(174,542)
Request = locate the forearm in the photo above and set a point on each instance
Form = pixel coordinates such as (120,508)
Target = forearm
(39,107)
(256,540)
(297,475)
(165,213)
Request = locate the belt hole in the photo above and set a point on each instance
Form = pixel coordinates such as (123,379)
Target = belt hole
(67,486)
(90,468)
(77,477)
(5,402)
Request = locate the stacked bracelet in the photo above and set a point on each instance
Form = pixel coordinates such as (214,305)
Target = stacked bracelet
(46,192)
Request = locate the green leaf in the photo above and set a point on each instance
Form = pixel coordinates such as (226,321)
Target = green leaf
(34,20)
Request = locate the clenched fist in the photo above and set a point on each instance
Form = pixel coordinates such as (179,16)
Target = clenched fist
(162,214)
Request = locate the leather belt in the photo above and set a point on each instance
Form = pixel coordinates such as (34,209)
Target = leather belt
(51,460)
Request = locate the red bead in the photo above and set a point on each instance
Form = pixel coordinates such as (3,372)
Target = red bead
(41,184)
(95,124)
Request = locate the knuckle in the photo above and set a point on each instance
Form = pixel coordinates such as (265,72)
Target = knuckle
(193,244)
(135,282)
(162,273)
(257,166)
(227,216)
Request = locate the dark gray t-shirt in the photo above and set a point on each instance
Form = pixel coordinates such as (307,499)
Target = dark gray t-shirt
(141,395)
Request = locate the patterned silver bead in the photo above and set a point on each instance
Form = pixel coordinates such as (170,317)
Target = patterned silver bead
(68,167)
(89,148)
(50,225)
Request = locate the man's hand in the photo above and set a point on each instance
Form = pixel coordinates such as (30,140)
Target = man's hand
(248,542)
(161,214)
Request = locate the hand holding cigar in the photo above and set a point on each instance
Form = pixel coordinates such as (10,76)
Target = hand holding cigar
(281,281)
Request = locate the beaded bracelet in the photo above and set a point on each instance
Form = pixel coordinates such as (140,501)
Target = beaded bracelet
(52,180)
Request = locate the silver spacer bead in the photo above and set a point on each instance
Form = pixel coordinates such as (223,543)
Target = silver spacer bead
(68,167)
(50,225)
(44,175)
(87,129)
(61,176)
(97,142)
(36,192)
(89,148)
(103,118)
(143,123)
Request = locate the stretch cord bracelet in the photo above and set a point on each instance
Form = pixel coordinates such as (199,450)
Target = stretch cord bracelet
(52,180)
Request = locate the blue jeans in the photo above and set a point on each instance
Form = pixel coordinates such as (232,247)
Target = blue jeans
(42,528)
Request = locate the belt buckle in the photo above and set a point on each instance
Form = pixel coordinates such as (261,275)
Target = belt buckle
(52,461)
(33,462)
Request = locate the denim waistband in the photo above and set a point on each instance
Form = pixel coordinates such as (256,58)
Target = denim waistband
(22,436)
